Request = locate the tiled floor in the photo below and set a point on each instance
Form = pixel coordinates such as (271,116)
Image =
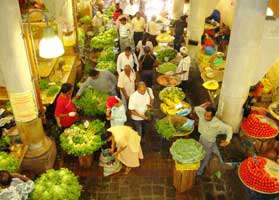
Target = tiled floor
(153,179)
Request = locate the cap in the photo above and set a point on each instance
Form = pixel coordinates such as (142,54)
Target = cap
(111,101)
(184,50)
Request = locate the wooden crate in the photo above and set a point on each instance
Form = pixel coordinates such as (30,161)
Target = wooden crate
(184,180)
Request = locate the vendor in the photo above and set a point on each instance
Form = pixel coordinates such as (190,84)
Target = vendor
(103,81)
(65,111)
(15,186)
(125,145)
(253,97)
(116,112)
(179,26)
(210,127)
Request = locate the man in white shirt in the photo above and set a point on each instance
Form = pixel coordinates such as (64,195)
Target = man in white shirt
(126,84)
(139,103)
(127,58)
(138,25)
(183,68)
(131,8)
(210,127)
(125,34)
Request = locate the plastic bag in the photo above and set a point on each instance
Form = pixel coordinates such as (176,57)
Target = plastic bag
(188,125)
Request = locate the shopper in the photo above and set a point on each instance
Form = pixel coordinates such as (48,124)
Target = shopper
(103,81)
(179,26)
(127,58)
(153,30)
(15,186)
(116,112)
(140,101)
(65,111)
(210,127)
(125,34)
(147,62)
(116,12)
(142,43)
(126,84)
(183,68)
(128,146)
(131,9)
(98,22)
(138,26)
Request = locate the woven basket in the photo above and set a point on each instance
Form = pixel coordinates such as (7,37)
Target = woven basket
(177,121)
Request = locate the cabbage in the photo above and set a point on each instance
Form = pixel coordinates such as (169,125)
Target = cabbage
(186,151)
(56,185)
(104,40)
(79,141)
(8,162)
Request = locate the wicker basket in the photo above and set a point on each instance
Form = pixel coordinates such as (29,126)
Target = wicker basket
(177,121)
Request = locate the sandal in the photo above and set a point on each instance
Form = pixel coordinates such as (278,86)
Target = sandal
(127,170)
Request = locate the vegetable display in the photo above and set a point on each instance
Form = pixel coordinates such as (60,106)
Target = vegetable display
(92,102)
(107,65)
(85,19)
(59,184)
(108,12)
(168,80)
(165,128)
(257,126)
(164,37)
(8,162)
(5,141)
(166,67)
(253,173)
(186,151)
(171,93)
(79,141)
(106,55)
(166,53)
(43,84)
(81,36)
(53,89)
(104,40)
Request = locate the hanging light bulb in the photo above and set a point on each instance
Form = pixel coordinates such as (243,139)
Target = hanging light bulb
(50,45)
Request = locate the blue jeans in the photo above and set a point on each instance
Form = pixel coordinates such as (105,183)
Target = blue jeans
(140,126)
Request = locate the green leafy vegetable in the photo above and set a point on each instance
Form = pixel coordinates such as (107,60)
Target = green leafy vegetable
(104,40)
(79,141)
(170,53)
(52,90)
(186,151)
(59,184)
(8,162)
(106,55)
(92,101)
(85,19)
(166,67)
(107,65)
(5,140)
(43,83)
(171,93)
(81,36)
(165,128)
(108,12)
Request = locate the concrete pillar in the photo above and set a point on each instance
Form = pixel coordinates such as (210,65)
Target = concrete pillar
(245,41)
(199,10)
(14,65)
(177,8)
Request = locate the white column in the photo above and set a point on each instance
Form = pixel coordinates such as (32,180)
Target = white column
(245,41)
(177,8)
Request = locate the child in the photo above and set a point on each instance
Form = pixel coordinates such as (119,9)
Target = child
(116,112)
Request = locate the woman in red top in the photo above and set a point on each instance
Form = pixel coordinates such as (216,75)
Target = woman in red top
(117,12)
(65,110)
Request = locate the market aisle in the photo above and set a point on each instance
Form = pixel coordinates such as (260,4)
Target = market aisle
(153,180)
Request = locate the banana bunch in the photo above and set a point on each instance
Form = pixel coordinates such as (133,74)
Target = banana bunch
(267,85)
(172,107)
(165,38)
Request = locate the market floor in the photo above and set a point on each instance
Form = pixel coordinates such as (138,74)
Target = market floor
(153,179)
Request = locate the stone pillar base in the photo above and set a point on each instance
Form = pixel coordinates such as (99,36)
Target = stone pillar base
(41,163)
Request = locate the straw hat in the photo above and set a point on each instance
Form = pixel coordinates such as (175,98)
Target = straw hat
(184,51)
(211,85)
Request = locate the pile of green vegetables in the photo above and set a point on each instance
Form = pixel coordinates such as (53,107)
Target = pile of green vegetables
(187,151)
(171,93)
(8,162)
(166,67)
(165,128)
(107,65)
(170,53)
(92,102)
(85,19)
(79,140)
(81,37)
(5,141)
(104,40)
(106,55)
(108,12)
(59,184)
(51,89)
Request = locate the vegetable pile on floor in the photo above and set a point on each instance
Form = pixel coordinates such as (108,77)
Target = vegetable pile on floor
(79,141)
(8,162)
(106,55)
(104,40)
(253,126)
(92,102)
(252,173)
(106,65)
(166,53)
(56,185)
(187,151)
